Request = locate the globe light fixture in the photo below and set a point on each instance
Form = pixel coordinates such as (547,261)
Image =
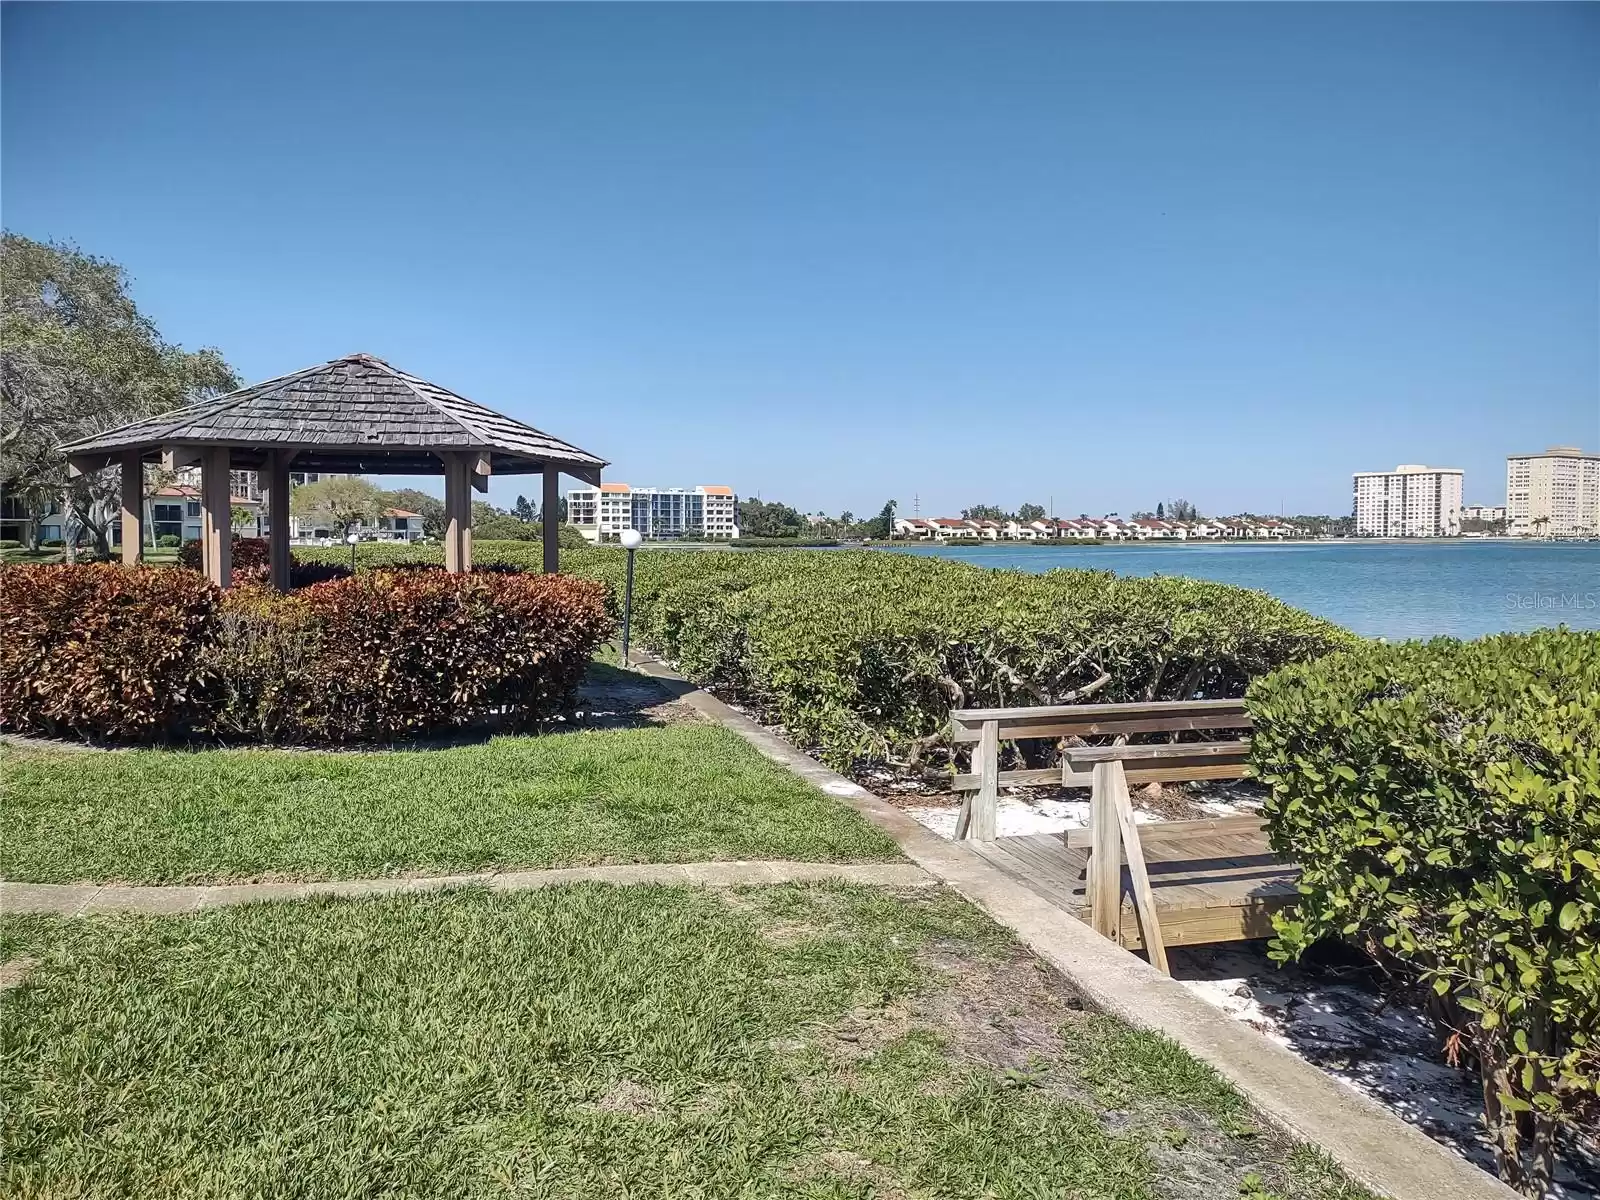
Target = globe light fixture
(631,540)
(352,537)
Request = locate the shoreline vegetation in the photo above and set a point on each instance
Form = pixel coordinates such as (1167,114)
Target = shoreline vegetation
(861,656)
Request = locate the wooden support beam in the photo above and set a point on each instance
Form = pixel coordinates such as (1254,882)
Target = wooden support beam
(550,513)
(1144,900)
(457,513)
(980,817)
(176,457)
(216,517)
(132,507)
(278,517)
(88,464)
(1105,858)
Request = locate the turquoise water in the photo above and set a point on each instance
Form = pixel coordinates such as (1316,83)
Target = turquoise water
(1381,589)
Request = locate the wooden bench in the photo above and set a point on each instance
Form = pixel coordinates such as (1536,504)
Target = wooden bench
(1216,878)
(985,728)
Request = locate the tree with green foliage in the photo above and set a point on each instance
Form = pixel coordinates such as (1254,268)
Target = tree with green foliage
(338,503)
(1031,512)
(882,525)
(493,524)
(769,519)
(985,512)
(524,509)
(77,357)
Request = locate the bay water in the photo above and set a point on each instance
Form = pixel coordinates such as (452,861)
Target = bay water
(1461,588)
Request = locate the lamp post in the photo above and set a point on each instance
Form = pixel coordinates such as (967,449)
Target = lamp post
(630,540)
(352,537)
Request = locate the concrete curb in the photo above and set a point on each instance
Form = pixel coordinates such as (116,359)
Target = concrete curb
(65,899)
(1371,1144)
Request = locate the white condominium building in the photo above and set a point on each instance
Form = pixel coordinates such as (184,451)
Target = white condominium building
(1554,494)
(601,513)
(1409,501)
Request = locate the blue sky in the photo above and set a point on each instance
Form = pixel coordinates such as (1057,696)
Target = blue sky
(839,254)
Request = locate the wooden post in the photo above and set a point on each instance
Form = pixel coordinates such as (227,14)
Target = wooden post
(1144,899)
(550,513)
(216,516)
(278,516)
(457,513)
(132,507)
(1105,854)
(985,816)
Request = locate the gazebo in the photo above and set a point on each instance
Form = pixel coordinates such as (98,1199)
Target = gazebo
(355,415)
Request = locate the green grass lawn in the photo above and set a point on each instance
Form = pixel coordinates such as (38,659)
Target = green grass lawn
(821,1042)
(670,794)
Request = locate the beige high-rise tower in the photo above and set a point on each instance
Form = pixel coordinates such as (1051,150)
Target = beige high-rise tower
(1554,494)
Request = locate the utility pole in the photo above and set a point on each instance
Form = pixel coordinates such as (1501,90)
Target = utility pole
(916,504)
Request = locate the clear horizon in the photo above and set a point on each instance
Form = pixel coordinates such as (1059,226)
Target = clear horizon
(833,256)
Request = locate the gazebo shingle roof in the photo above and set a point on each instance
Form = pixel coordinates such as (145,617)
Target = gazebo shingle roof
(353,413)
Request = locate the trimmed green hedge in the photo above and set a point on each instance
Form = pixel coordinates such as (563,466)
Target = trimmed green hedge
(863,653)
(1443,799)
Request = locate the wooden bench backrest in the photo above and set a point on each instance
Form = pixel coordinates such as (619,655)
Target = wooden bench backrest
(1092,720)
(1107,720)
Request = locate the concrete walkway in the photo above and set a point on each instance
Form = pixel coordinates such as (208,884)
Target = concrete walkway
(1370,1143)
(67,899)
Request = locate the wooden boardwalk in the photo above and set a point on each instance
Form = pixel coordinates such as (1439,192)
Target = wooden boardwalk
(1219,888)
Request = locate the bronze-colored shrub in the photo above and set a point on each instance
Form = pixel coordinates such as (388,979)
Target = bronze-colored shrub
(261,664)
(100,650)
(408,652)
(143,654)
(250,555)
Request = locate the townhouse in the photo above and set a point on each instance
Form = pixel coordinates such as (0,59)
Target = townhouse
(1103,529)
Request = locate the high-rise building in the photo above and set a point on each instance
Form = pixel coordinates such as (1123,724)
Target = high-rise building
(1409,501)
(600,514)
(1554,494)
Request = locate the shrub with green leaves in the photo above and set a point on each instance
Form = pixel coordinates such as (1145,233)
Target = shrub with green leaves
(1443,800)
(864,653)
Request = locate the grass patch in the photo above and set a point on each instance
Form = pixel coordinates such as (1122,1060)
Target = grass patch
(580,1041)
(671,794)
(31,934)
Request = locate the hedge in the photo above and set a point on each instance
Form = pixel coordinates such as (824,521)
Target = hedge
(251,556)
(1443,801)
(863,653)
(151,653)
(252,563)
(101,650)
